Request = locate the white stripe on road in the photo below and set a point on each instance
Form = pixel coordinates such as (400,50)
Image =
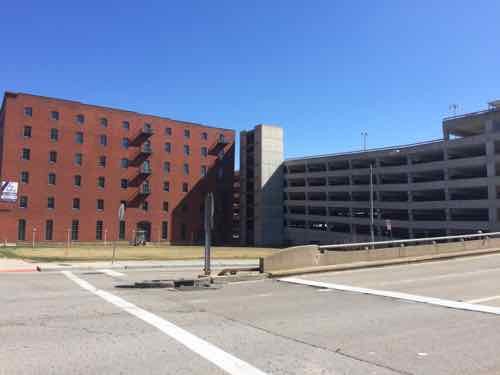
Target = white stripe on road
(112,273)
(397,295)
(218,357)
(484,299)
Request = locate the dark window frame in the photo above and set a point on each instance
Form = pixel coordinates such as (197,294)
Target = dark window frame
(23,201)
(27,131)
(26,154)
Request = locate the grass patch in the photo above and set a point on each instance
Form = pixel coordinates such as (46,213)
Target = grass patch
(81,254)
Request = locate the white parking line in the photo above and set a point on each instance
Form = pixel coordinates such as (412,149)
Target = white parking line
(484,299)
(397,295)
(210,352)
(112,273)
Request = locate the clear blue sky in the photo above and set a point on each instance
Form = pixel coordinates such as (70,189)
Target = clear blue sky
(324,70)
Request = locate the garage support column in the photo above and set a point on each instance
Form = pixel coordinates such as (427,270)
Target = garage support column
(491,172)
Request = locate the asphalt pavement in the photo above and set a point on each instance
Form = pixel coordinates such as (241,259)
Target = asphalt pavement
(87,322)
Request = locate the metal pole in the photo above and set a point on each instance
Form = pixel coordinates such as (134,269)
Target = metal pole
(364,134)
(207,240)
(114,252)
(372,233)
(208,221)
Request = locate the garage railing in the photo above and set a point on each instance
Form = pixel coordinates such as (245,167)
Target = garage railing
(414,241)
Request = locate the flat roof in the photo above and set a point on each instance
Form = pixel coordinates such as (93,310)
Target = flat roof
(7,93)
(367,151)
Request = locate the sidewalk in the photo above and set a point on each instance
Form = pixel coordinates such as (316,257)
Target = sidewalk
(16,265)
(142,264)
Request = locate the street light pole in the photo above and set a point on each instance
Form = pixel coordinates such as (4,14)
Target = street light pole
(364,135)
(372,232)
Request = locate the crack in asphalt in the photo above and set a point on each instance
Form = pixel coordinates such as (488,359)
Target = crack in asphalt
(337,351)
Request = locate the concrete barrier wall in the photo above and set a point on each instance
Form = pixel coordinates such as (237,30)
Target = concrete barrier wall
(310,255)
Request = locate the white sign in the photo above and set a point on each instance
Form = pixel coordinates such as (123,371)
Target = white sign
(121,212)
(388,225)
(8,191)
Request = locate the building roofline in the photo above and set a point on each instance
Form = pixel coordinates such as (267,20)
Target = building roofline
(367,151)
(470,114)
(7,93)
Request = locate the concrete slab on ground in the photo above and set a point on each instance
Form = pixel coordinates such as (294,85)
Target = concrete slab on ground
(275,327)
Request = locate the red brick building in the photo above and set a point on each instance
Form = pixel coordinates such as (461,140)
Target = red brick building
(76,163)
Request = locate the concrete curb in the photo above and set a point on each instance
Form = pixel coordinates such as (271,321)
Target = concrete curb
(360,265)
(240,278)
(18,270)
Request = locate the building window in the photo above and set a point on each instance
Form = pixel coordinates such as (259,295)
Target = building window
(98,230)
(51,202)
(166,186)
(124,163)
(221,154)
(186,150)
(28,111)
(26,154)
(121,230)
(144,206)
(185,187)
(101,181)
(168,131)
(187,134)
(147,126)
(54,134)
(80,119)
(76,203)
(25,177)
(52,178)
(52,156)
(74,230)
(186,169)
(204,136)
(165,206)
(27,132)
(49,229)
(220,173)
(77,179)
(204,152)
(166,166)
(124,183)
(103,139)
(23,201)
(100,204)
(79,138)
(164,230)
(203,170)
(78,159)
(168,147)
(21,230)
(54,115)
(222,139)
(125,143)
(102,161)
(104,122)
(126,125)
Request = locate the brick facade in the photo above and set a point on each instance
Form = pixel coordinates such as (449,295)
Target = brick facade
(104,134)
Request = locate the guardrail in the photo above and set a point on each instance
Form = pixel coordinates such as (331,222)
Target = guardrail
(414,241)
